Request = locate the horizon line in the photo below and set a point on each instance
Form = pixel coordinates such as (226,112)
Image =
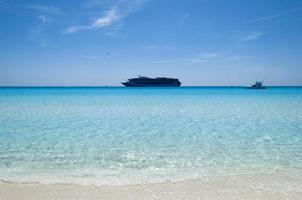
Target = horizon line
(117,86)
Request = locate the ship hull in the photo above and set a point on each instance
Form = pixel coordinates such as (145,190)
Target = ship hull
(150,85)
(256,88)
(152,82)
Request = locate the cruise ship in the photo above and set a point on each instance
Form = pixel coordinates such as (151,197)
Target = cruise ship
(143,81)
(257,85)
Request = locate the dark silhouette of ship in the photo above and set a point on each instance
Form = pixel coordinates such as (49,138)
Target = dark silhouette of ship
(143,81)
(257,85)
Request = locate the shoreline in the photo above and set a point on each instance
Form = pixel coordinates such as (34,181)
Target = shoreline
(281,185)
(290,172)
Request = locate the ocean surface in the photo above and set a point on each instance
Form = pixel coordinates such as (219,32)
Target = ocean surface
(116,135)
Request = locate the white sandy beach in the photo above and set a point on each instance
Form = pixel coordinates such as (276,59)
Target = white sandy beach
(255,186)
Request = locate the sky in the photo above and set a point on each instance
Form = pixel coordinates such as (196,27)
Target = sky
(105,42)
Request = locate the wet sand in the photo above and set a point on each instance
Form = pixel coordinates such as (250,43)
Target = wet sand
(254,186)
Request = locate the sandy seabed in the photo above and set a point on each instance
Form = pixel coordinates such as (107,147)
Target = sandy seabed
(270,186)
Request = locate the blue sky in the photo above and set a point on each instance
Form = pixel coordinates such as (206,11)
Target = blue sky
(104,42)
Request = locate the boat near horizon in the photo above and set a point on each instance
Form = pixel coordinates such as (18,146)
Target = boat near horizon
(257,85)
(143,81)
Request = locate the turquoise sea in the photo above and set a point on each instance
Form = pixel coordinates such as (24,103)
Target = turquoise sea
(116,135)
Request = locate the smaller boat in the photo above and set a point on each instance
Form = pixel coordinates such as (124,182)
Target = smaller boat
(257,85)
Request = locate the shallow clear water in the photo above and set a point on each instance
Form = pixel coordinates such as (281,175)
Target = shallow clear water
(126,135)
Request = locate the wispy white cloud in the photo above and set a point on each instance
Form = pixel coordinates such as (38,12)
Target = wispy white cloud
(106,55)
(19,8)
(93,57)
(269,17)
(37,32)
(247,36)
(209,55)
(157,47)
(202,58)
(46,9)
(44,19)
(261,69)
(231,58)
(110,16)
